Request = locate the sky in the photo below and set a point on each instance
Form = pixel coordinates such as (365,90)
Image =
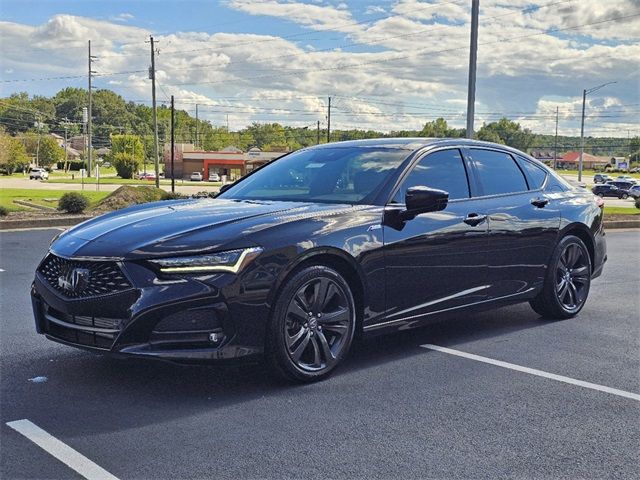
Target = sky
(388,65)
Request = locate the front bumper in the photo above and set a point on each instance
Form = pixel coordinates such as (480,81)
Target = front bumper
(212,318)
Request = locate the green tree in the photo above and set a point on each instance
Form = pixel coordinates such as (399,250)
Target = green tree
(49,152)
(507,132)
(127,154)
(13,155)
(437,128)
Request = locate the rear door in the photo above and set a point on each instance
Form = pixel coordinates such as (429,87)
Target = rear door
(436,261)
(523,220)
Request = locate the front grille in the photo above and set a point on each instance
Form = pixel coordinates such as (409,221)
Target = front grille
(81,279)
(97,332)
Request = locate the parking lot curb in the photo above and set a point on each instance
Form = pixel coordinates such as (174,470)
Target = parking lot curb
(613,224)
(43,222)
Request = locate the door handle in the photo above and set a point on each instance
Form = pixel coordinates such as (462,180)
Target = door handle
(540,202)
(474,219)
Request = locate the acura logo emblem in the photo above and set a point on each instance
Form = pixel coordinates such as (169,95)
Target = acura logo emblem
(75,280)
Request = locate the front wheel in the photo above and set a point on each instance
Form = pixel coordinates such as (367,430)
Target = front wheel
(312,325)
(624,196)
(567,281)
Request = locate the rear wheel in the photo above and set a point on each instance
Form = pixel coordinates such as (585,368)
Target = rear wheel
(312,326)
(567,281)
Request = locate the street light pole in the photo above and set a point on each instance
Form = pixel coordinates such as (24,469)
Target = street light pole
(586,92)
(473,58)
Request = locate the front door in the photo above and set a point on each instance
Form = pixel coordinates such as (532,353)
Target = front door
(436,261)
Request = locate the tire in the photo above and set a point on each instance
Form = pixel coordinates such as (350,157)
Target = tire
(600,195)
(312,325)
(624,196)
(567,281)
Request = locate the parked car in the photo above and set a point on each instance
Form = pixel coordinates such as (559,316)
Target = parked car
(626,178)
(214,177)
(634,191)
(601,178)
(292,274)
(147,176)
(38,174)
(196,177)
(622,185)
(609,190)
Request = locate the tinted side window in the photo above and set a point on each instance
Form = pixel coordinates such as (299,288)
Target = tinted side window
(536,174)
(443,170)
(498,172)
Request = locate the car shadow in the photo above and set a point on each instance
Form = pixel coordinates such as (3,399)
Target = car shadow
(90,394)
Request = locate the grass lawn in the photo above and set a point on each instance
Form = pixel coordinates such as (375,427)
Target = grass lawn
(620,211)
(48,198)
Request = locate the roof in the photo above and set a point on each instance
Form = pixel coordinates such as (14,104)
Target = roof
(574,156)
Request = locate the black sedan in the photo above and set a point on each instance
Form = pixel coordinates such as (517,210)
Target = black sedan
(320,246)
(610,190)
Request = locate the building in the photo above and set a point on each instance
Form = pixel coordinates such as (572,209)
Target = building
(620,163)
(59,139)
(570,160)
(230,163)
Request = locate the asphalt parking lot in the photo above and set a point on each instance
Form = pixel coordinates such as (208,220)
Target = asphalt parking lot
(395,409)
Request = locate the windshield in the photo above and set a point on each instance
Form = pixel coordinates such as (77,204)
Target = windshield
(326,175)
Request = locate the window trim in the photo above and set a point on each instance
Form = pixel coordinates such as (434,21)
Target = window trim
(418,158)
(480,187)
(521,159)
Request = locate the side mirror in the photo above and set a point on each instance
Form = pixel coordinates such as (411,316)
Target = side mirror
(424,199)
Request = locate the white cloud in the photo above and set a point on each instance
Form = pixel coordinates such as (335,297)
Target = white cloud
(417,72)
(371,9)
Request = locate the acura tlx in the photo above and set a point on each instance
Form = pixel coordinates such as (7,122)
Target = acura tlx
(292,262)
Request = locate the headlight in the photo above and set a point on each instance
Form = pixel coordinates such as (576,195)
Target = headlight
(230,261)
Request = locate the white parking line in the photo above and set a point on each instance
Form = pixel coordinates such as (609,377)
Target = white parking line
(533,371)
(61,451)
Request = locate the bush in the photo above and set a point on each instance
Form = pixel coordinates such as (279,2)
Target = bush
(126,165)
(72,202)
(76,165)
(173,196)
(3,211)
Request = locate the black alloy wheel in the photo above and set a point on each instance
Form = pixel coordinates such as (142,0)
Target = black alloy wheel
(312,326)
(572,277)
(567,281)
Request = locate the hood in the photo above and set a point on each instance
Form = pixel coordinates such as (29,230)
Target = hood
(179,227)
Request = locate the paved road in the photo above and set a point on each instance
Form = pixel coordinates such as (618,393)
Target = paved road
(395,410)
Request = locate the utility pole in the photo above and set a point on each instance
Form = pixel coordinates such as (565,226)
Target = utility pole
(89,141)
(196,126)
(318,134)
(66,156)
(555,143)
(585,92)
(473,58)
(329,122)
(173,151)
(152,76)
(39,125)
